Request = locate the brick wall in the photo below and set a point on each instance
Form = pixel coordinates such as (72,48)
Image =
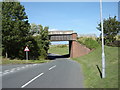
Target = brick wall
(77,50)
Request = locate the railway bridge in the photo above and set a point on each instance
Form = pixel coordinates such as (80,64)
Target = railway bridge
(75,48)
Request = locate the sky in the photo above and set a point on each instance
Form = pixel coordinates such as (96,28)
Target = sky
(81,17)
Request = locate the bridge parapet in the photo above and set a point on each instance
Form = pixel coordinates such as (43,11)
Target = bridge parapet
(60,32)
(62,35)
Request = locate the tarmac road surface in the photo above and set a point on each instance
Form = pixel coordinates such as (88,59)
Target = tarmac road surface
(59,73)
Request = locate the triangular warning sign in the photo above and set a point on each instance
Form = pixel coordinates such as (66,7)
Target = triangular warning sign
(26,49)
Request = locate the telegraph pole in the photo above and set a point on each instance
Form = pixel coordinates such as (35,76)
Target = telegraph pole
(103,53)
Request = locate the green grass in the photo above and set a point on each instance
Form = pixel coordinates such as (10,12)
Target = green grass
(92,77)
(59,50)
(15,61)
(90,43)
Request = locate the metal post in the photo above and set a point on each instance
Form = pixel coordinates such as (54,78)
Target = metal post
(26,56)
(103,54)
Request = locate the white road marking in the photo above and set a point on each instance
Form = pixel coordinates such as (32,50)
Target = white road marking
(35,64)
(13,69)
(32,80)
(23,67)
(26,65)
(6,70)
(18,68)
(5,73)
(52,67)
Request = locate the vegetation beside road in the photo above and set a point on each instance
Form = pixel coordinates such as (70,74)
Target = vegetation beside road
(16,61)
(111,27)
(92,61)
(17,33)
(89,42)
(59,49)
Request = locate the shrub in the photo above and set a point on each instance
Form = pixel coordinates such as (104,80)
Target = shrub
(114,44)
(90,43)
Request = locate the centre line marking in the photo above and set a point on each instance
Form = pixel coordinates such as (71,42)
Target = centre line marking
(32,80)
(52,67)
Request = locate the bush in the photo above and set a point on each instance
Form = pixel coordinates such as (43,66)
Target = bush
(88,42)
(43,54)
(114,44)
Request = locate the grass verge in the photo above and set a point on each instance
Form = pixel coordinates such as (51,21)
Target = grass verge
(15,61)
(91,66)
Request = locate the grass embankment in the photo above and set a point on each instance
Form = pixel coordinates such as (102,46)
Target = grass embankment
(89,42)
(59,49)
(15,61)
(91,65)
(92,61)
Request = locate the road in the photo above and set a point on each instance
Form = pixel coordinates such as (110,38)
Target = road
(59,73)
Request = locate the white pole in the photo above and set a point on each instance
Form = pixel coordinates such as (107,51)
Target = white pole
(103,54)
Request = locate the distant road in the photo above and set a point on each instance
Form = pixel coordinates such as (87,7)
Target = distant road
(59,73)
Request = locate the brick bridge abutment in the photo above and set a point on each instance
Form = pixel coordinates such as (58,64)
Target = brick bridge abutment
(76,49)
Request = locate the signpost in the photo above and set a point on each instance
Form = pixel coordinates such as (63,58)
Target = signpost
(26,50)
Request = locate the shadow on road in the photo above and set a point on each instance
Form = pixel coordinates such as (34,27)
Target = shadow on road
(54,56)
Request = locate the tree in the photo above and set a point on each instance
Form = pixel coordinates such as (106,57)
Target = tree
(111,28)
(15,28)
(43,41)
(16,34)
(35,29)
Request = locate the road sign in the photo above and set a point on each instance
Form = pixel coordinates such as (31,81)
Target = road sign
(26,49)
